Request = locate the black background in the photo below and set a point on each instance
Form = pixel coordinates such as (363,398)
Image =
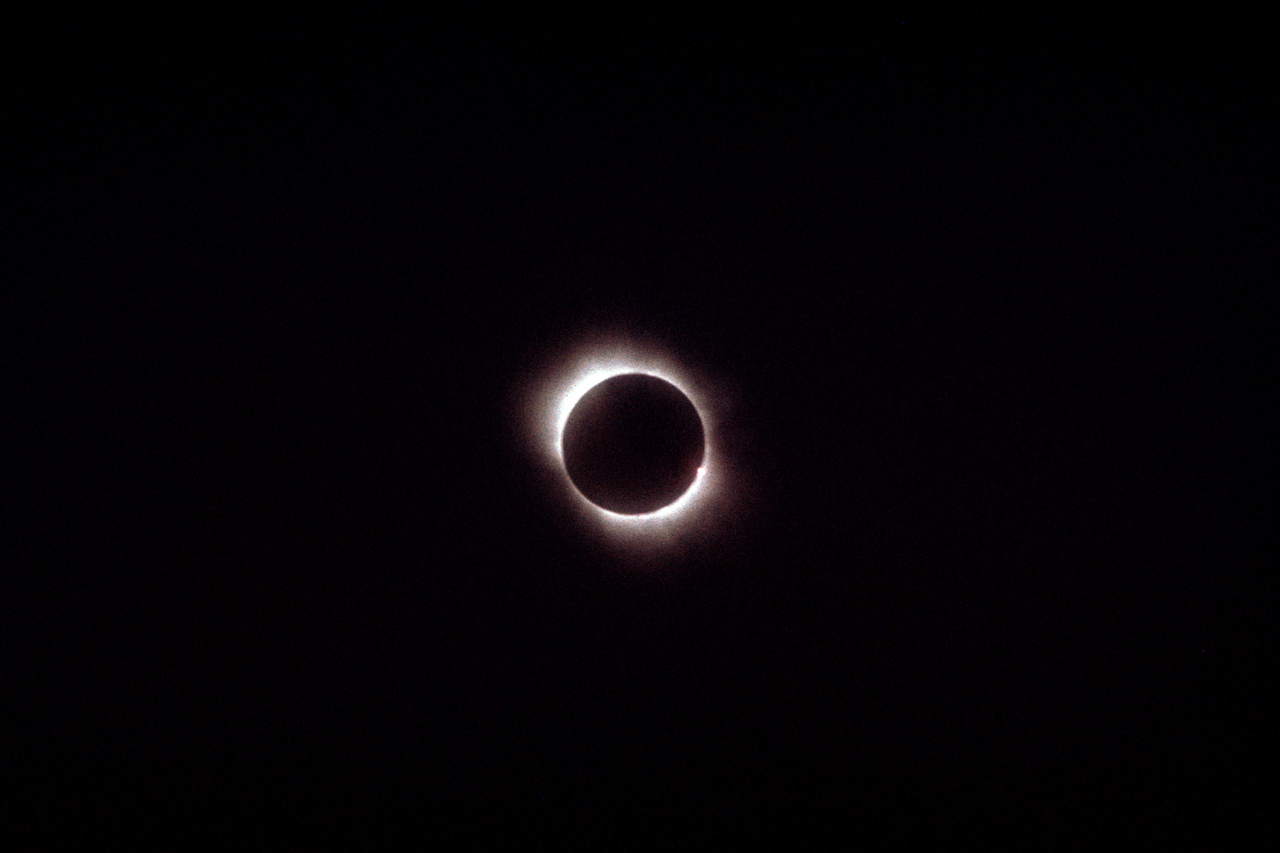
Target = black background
(986,297)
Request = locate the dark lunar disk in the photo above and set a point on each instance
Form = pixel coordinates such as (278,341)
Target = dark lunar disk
(633,444)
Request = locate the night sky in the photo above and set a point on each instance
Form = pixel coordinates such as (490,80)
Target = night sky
(979,305)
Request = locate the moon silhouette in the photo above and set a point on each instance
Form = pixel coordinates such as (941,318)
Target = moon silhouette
(633,444)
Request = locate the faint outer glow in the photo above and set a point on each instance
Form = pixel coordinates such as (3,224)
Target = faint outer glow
(588,372)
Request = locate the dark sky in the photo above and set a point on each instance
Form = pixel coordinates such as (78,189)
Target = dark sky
(982,298)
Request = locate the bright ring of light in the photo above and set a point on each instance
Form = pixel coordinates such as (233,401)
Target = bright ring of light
(590,372)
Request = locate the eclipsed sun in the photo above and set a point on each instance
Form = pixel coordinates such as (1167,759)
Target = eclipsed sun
(634,439)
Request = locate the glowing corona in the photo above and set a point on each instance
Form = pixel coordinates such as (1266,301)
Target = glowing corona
(585,374)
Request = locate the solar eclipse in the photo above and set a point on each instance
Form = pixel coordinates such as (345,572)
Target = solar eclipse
(633,444)
(632,438)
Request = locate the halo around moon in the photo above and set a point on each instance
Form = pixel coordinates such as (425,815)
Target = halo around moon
(566,387)
(633,444)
